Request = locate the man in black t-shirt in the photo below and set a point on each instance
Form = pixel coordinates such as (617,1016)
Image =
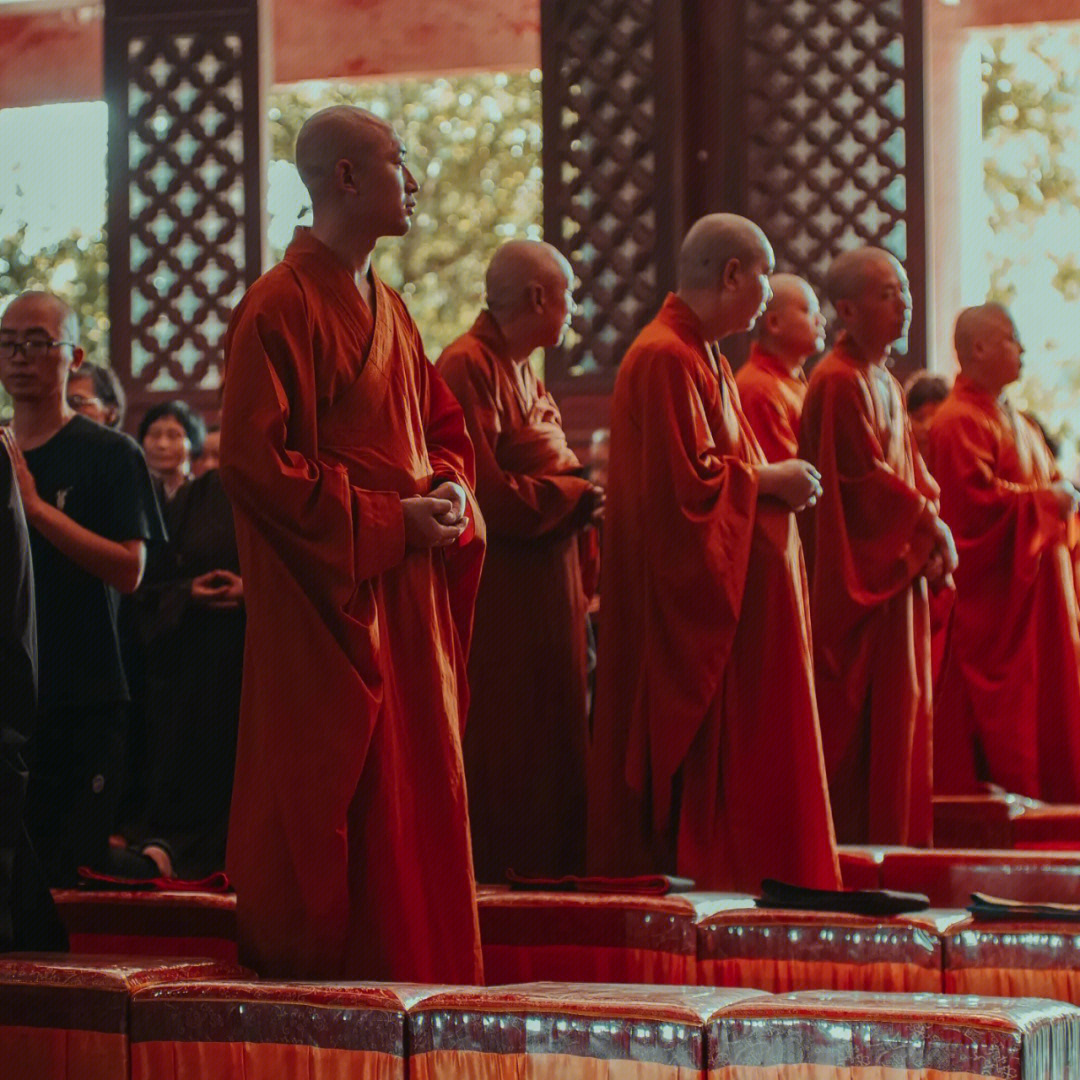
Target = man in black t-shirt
(91,509)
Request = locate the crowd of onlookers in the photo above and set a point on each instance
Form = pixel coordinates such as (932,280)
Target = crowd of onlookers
(123,629)
(181,637)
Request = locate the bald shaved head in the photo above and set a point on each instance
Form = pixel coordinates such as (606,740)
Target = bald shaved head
(792,327)
(516,267)
(712,243)
(52,313)
(974,324)
(331,135)
(852,272)
(988,347)
(789,289)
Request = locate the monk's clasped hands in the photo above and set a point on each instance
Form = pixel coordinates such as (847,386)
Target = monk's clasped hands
(435,520)
(794,482)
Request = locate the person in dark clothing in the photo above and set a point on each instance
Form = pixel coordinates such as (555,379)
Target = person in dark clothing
(91,509)
(190,615)
(28,918)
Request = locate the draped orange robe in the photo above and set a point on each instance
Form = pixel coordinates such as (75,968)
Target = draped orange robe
(1008,701)
(867,543)
(349,837)
(706,754)
(525,737)
(772,401)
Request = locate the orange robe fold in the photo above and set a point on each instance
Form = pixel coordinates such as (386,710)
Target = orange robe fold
(1007,707)
(527,726)
(349,839)
(867,543)
(772,401)
(706,754)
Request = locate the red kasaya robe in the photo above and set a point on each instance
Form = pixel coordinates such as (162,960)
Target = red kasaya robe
(706,754)
(772,401)
(867,544)
(1007,706)
(527,726)
(349,836)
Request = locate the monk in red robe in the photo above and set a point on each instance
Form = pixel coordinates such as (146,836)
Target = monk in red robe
(706,754)
(772,385)
(1007,706)
(525,738)
(348,464)
(872,543)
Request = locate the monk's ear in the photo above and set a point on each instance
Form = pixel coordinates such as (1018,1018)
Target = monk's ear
(730,277)
(536,296)
(845,309)
(345,172)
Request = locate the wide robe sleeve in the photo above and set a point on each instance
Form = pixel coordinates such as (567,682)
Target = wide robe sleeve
(701,499)
(330,534)
(987,513)
(516,505)
(875,526)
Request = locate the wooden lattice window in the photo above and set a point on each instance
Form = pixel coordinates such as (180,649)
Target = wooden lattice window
(608,174)
(832,111)
(185,232)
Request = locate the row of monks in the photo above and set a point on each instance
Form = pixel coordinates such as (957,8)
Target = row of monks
(774,556)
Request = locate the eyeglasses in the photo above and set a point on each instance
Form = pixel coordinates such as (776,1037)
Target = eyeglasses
(31,348)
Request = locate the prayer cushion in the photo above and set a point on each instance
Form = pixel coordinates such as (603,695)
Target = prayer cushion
(270,1031)
(949,877)
(149,923)
(781,951)
(545,1031)
(1003,822)
(585,937)
(67,1017)
(860,866)
(828,1035)
(1014,959)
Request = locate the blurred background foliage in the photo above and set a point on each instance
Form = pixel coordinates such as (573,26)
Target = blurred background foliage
(473,144)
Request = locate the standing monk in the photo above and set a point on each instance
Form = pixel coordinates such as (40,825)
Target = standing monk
(1007,707)
(347,461)
(772,385)
(525,739)
(871,544)
(706,754)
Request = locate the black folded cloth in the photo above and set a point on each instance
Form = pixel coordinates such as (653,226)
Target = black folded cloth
(641,885)
(985,908)
(779,894)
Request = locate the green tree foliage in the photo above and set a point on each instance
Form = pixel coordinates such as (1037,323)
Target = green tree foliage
(1033,122)
(473,143)
(1031,136)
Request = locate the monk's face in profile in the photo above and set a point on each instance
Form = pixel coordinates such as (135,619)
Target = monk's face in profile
(386,190)
(999,351)
(751,290)
(558,306)
(794,322)
(881,311)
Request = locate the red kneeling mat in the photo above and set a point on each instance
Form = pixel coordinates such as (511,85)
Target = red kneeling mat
(67,1018)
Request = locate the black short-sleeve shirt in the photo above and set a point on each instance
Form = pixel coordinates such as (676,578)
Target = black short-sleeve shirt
(99,478)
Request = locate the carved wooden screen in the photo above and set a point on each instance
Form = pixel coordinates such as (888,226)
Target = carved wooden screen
(612,197)
(185,188)
(832,108)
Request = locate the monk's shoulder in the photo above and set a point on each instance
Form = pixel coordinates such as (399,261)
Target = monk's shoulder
(657,358)
(466,356)
(281,290)
(836,380)
(959,417)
